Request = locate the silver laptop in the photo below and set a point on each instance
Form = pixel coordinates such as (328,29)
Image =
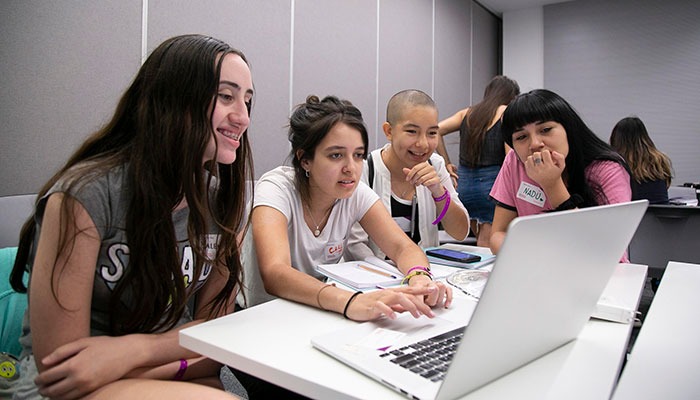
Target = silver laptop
(545,284)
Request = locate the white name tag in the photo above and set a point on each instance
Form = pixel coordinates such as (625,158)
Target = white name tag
(532,194)
(332,252)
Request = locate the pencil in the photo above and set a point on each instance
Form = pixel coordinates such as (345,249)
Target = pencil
(376,271)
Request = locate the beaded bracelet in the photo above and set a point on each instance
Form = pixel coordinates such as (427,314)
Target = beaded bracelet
(181,372)
(318,295)
(447,199)
(347,305)
(408,277)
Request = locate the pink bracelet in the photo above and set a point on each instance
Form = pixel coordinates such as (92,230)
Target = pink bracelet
(443,196)
(408,277)
(419,267)
(181,372)
(444,208)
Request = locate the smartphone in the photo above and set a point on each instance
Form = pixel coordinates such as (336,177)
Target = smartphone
(453,255)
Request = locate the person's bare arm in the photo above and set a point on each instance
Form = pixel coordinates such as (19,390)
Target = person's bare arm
(68,273)
(445,127)
(400,248)
(501,219)
(283,280)
(280,278)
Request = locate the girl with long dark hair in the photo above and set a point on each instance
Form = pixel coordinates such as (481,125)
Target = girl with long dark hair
(557,163)
(136,236)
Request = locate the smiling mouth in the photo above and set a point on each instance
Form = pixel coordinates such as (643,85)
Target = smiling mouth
(347,182)
(420,155)
(229,134)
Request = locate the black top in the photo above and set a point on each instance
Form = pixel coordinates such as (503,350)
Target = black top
(654,191)
(492,148)
(400,210)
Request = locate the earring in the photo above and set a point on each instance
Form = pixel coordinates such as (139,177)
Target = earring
(307,172)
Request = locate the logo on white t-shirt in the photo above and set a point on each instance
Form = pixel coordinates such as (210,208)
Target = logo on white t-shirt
(532,194)
(332,252)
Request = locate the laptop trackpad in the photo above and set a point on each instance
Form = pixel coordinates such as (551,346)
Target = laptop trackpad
(386,334)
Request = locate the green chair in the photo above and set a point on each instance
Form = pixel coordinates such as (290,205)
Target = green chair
(12,305)
(14,210)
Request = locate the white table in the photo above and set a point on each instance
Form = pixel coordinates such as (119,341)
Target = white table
(665,360)
(272,341)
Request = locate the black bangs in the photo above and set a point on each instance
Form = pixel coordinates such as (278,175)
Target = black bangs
(535,106)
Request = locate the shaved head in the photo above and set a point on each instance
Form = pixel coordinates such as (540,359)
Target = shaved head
(405,99)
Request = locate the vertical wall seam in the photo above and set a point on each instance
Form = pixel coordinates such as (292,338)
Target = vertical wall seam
(376,86)
(432,65)
(291,56)
(144,30)
(471,52)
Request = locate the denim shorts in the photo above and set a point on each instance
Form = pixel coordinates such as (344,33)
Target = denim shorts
(473,187)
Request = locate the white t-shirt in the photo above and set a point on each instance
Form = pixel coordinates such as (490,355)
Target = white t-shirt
(359,241)
(277,189)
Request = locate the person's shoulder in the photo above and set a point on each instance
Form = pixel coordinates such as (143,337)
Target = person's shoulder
(276,181)
(375,156)
(511,158)
(512,168)
(279,174)
(86,176)
(363,191)
(362,198)
(605,170)
(605,165)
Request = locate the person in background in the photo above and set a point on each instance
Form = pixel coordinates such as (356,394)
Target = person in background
(302,216)
(481,152)
(650,168)
(557,164)
(410,178)
(141,223)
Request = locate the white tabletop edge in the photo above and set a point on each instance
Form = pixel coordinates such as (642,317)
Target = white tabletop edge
(585,368)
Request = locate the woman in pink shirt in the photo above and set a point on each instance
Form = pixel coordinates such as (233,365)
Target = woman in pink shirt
(557,164)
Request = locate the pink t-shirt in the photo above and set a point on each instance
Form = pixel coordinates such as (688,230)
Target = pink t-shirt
(516,191)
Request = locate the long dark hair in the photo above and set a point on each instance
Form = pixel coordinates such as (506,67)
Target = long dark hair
(310,123)
(160,131)
(630,138)
(500,91)
(542,105)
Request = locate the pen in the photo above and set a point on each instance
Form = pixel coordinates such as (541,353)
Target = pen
(380,287)
(376,271)
(413,215)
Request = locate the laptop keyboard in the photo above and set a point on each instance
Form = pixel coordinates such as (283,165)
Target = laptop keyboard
(428,358)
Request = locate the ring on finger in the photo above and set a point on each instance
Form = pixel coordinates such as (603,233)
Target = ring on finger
(538,161)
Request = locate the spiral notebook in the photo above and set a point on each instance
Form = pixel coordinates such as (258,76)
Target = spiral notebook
(547,278)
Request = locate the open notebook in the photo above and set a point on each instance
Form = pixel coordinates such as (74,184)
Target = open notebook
(372,273)
(545,283)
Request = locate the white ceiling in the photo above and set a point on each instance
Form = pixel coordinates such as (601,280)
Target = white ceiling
(500,6)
